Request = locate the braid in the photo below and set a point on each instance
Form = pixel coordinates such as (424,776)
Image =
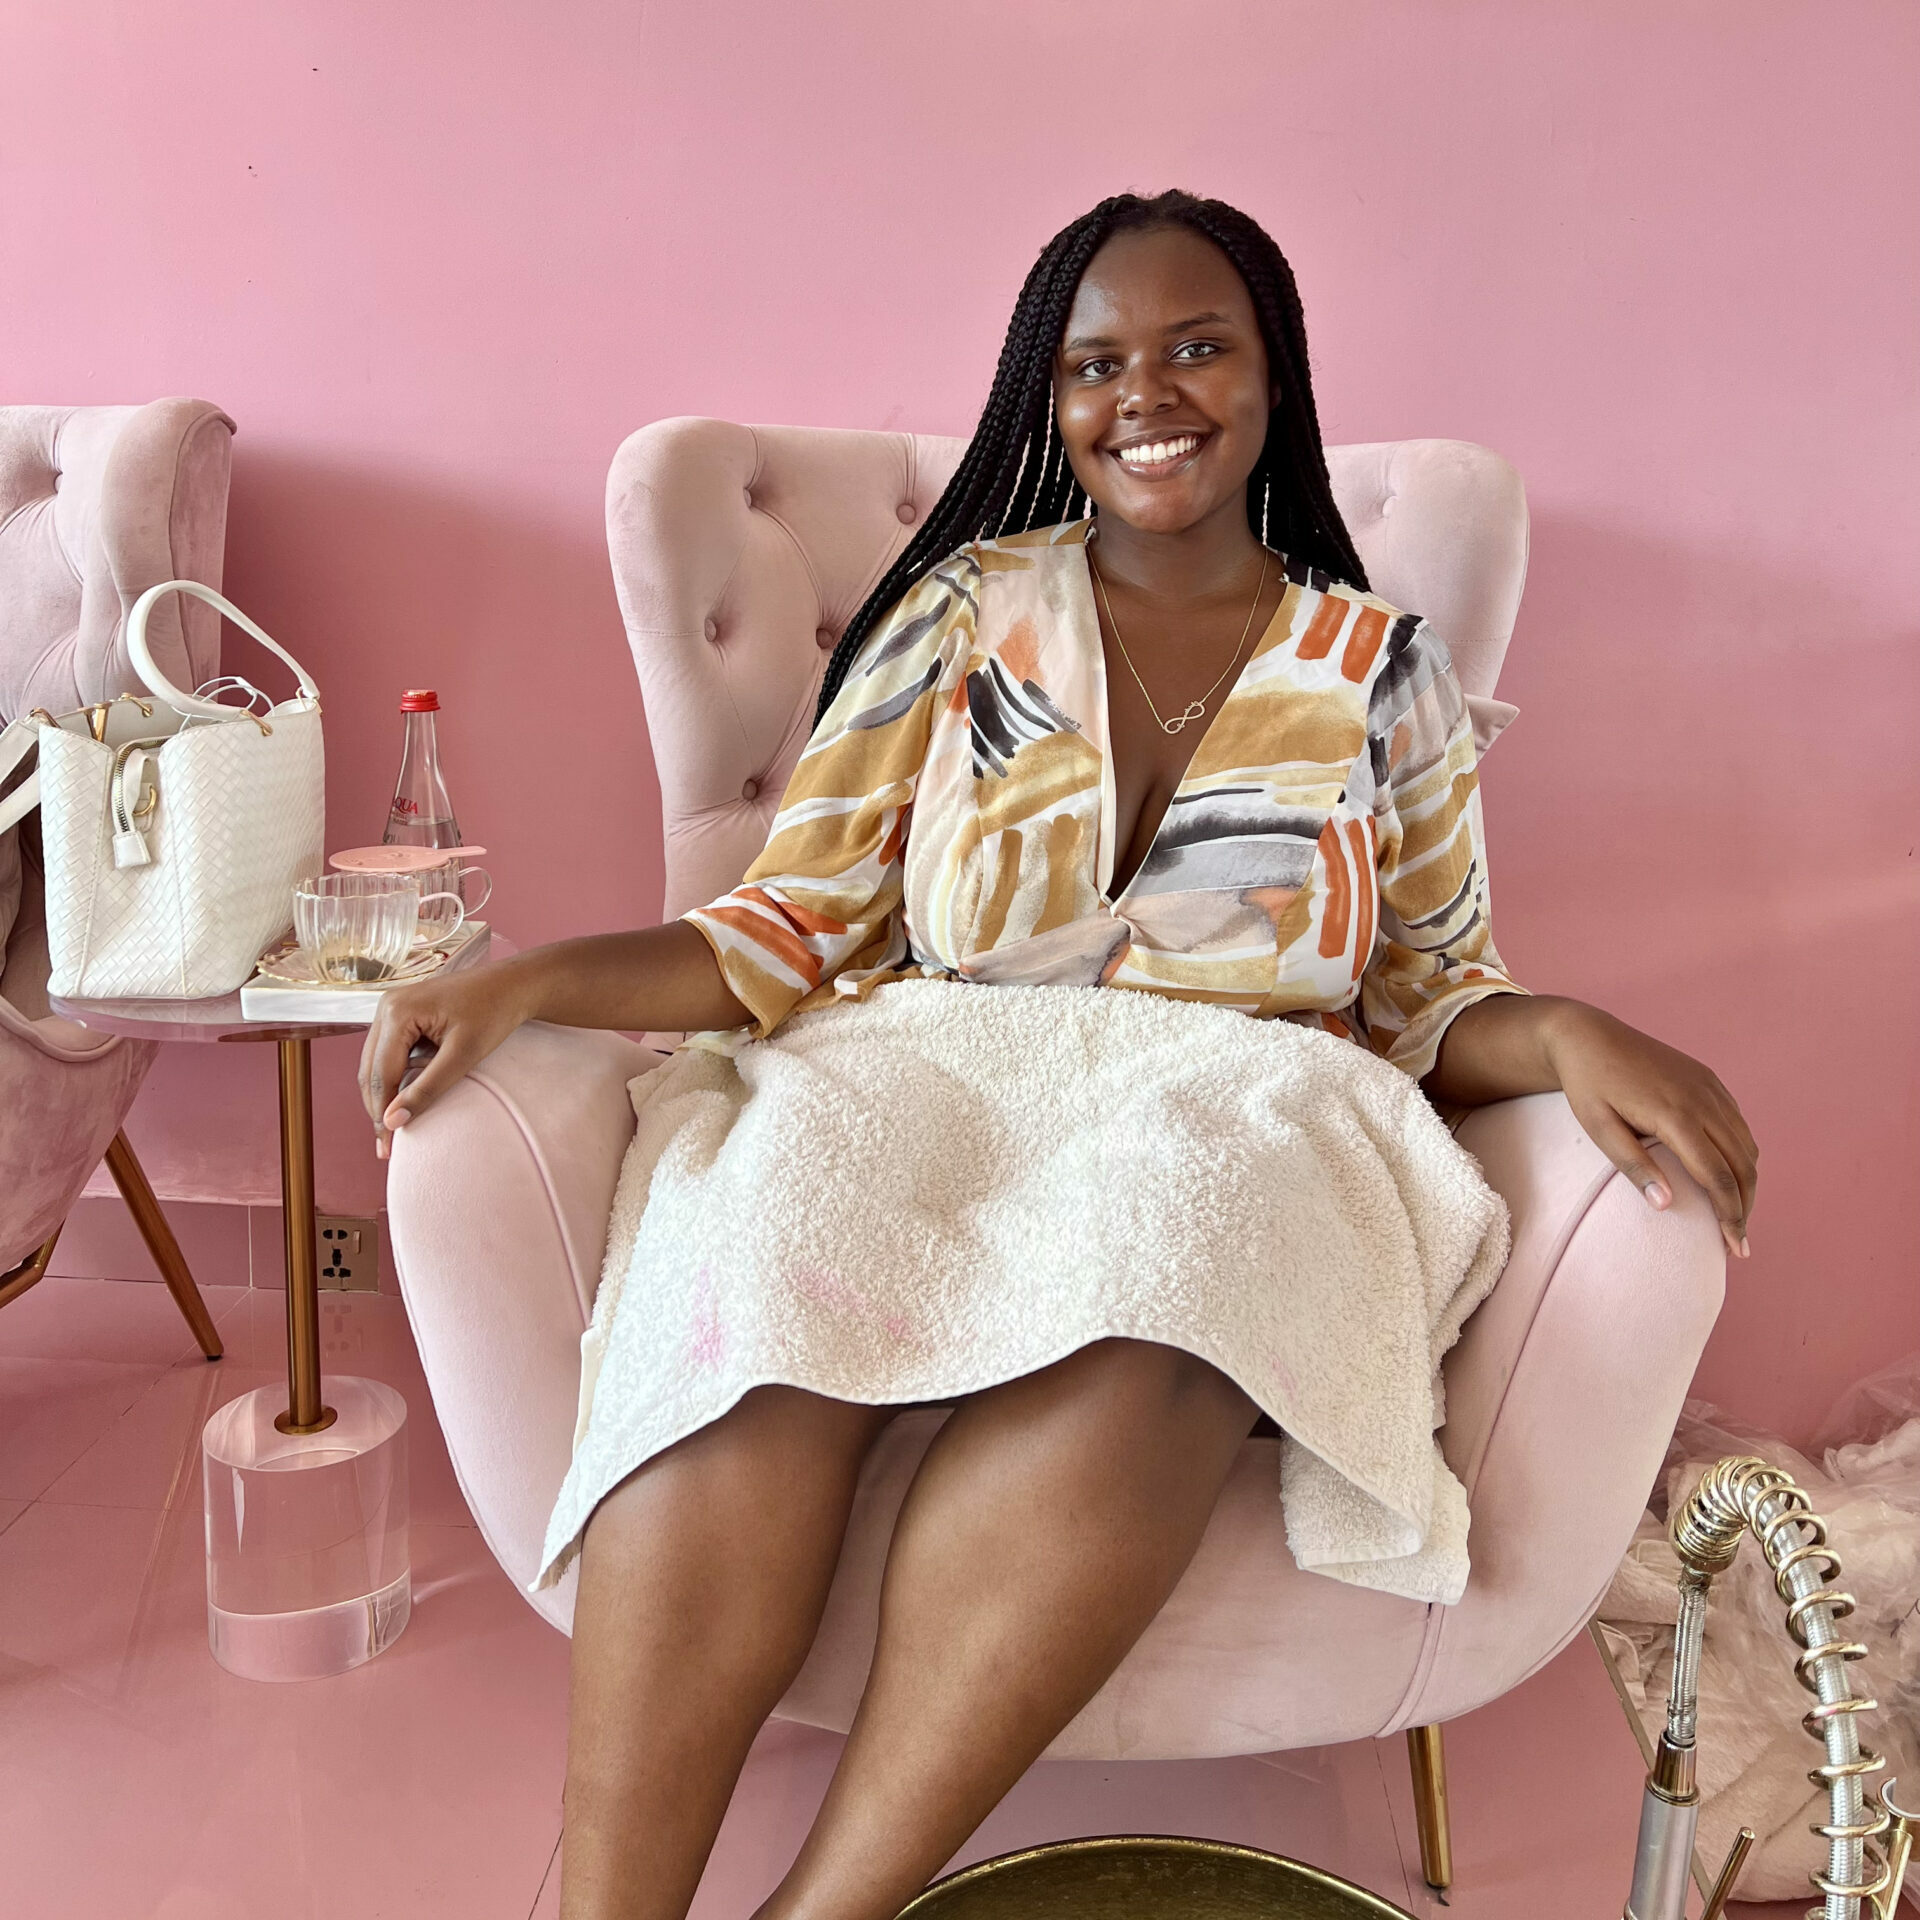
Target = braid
(1293,463)
(1015,474)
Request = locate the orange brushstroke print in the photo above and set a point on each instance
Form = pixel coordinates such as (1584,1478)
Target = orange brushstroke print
(805,918)
(1323,629)
(1361,838)
(1339,908)
(776,937)
(1369,629)
(1020,651)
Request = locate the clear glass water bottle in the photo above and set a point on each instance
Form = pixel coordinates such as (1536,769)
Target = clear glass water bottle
(421,814)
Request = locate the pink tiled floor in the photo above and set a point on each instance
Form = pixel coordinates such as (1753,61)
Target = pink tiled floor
(140,1781)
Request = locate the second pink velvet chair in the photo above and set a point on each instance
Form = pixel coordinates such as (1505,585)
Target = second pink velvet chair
(739,553)
(96,505)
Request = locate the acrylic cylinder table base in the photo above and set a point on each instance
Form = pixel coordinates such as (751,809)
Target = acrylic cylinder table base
(306,1488)
(308,1571)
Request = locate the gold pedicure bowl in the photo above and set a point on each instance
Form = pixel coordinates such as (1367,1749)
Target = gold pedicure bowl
(1130,1879)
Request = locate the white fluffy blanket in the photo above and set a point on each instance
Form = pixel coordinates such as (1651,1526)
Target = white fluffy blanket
(946,1186)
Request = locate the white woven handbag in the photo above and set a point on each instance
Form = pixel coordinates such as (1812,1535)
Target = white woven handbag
(171,855)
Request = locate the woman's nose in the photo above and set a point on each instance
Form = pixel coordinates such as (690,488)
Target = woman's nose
(1146,388)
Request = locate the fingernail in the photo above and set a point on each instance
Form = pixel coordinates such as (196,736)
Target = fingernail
(379,1148)
(395,1116)
(1746,1252)
(1658,1197)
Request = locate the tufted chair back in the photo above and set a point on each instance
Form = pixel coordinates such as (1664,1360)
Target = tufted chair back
(740,553)
(96,505)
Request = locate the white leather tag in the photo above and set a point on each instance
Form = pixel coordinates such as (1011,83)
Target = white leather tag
(130,849)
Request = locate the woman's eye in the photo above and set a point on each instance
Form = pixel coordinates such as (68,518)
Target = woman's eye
(1196,350)
(1096,369)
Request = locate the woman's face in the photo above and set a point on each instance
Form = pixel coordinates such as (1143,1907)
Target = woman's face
(1161,386)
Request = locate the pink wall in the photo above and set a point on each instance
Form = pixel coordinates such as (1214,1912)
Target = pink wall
(438,260)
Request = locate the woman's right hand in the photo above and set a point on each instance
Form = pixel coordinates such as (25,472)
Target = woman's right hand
(660,977)
(462,1018)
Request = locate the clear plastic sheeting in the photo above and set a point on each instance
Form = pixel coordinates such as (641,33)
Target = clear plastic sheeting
(1754,1756)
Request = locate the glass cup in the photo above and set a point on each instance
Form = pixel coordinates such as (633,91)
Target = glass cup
(448,882)
(358,927)
(440,872)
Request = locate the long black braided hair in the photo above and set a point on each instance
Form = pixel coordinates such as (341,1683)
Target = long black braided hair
(1015,474)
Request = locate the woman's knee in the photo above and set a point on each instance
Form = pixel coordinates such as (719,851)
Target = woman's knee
(775,1444)
(797,1416)
(1159,1376)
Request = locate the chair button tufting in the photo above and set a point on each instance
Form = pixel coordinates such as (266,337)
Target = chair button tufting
(905,513)
(751,791)
(746,494)
(823,639)
(713,629)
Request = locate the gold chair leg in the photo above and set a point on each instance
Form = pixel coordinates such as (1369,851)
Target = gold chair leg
(1429,1760)
(130,1177)
(16,1280)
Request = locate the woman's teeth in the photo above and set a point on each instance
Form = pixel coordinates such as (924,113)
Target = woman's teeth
(1159,452)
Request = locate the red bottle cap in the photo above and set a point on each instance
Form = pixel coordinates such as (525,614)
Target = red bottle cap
(419,700)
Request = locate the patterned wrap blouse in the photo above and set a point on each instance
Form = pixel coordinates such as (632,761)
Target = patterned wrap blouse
(953,815)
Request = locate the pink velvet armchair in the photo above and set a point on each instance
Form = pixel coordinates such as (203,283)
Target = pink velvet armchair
(96,505)
(739,552)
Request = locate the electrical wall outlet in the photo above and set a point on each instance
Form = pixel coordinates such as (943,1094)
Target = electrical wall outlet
(348,1252)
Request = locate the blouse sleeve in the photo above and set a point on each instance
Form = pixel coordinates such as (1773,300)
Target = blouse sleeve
(825,893)
(1435,956)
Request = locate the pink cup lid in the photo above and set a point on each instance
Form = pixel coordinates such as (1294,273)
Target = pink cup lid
(398,859)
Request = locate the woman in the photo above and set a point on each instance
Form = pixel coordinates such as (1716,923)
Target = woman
(1154,379)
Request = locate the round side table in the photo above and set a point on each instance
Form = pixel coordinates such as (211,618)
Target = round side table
(308,1568)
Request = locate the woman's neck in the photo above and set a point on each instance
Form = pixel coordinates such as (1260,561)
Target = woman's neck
(1215,557)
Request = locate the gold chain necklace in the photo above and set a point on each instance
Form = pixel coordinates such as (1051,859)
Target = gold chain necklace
(1195,709)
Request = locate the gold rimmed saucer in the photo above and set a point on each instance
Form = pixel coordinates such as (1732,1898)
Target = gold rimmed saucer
(292,968)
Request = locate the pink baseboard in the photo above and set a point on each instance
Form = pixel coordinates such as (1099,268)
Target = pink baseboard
(225,1245)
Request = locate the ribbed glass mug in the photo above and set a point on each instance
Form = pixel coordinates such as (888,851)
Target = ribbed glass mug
(358,927)
(448,882)
(442,873)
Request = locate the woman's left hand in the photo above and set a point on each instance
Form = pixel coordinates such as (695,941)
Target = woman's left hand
(1624,1085)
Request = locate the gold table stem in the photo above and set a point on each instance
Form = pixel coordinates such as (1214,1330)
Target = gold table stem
(305,1413)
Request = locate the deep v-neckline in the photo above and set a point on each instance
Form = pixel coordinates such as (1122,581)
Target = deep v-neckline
(1107,849)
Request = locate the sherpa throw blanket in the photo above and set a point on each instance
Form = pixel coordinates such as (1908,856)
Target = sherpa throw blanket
(944,1186)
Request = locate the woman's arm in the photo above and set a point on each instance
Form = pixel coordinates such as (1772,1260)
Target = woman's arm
(1437,943)
(1622,1085)
(665,978)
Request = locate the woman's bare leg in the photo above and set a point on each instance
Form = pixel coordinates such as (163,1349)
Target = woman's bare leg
(1049,1522)
(702,1582)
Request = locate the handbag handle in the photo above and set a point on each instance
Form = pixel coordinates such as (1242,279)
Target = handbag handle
(18,739)
(158,683)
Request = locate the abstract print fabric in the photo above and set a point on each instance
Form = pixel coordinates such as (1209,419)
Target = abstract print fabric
(1321,860)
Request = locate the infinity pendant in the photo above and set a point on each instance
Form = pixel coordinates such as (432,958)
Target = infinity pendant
(1195,710)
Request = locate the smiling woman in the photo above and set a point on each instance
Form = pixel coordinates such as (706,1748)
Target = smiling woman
(1124,715)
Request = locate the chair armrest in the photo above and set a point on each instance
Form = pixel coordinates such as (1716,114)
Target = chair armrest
(498,1201)
(1562,1392)
(59,1110)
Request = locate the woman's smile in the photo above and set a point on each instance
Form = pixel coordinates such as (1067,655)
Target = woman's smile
(1162,457)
